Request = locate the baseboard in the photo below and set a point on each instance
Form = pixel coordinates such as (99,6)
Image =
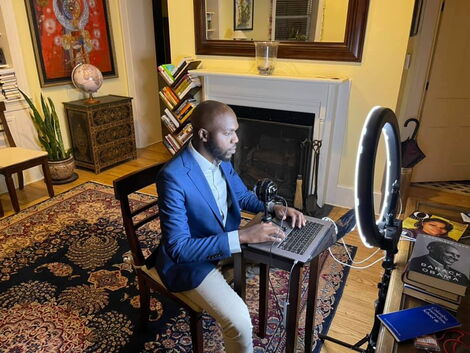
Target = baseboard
(343,196)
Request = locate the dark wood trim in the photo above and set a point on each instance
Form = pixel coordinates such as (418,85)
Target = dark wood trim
(349,50)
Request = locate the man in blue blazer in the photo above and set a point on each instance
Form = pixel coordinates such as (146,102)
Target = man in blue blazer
(200,199)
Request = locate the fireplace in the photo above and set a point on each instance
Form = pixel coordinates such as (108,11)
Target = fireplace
(274,144)
(311,107)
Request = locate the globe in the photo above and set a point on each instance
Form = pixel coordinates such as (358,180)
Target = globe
(87,78)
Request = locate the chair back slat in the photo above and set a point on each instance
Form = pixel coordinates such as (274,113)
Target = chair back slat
(143,208)
(123,187)
(145,221)
(5,129)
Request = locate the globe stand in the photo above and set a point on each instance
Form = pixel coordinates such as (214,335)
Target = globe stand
(91,99)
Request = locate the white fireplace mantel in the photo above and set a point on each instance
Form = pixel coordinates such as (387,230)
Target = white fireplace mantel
(327,98)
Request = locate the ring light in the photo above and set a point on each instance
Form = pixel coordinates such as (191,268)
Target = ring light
(380,120)
(385,232)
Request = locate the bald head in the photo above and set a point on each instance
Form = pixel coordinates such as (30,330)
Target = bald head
(208,114)
(214,125)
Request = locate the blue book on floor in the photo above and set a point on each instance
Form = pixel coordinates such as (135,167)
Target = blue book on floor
(422,320)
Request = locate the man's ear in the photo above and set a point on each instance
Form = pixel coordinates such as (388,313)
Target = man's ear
(203,135)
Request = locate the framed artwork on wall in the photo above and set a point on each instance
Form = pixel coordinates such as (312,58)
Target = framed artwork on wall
(243,11)
(69,32)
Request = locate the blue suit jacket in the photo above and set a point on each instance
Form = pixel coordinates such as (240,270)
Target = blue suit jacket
(194,238)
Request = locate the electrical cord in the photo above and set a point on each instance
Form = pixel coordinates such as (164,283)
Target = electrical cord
(282,310)
(349,255)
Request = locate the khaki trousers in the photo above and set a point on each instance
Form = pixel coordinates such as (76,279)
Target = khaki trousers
(217,298)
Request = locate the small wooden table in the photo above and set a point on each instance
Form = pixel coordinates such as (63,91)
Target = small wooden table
(396,300)
(266,260)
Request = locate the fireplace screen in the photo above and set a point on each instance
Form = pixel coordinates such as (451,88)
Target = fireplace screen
(274,144)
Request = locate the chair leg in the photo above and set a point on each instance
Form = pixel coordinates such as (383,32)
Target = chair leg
(144,294)
(196,332)
(12,192)
(1,209)
(20,180)
(47,178)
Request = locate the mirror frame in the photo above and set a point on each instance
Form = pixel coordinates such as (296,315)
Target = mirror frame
(349,50)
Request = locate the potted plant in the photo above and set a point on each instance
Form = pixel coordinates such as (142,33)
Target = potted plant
(61,162)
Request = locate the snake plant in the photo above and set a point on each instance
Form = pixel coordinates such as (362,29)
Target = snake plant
(48,128)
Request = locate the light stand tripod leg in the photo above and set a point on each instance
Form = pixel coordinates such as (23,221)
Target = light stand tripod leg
(354,347)
(388,265)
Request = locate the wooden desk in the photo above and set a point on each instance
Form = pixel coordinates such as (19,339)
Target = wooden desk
(396,300)
(266,260)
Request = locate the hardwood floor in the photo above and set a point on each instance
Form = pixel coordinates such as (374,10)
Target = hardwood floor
(354,316)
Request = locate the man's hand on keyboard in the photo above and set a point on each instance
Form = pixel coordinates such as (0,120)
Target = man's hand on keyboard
(297,219)
(260,233)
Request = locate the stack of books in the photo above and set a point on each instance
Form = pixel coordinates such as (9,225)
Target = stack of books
(175,142)
(438,271)
(172,73)
(9,85)
(185,84)
(171,143)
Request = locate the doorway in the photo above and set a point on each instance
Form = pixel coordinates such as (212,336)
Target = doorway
(435,90)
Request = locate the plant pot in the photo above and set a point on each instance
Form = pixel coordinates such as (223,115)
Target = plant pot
(62,171)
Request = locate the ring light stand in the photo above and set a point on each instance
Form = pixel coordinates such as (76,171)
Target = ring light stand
(385,232)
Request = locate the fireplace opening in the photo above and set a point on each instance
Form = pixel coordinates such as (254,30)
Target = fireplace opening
(274,144)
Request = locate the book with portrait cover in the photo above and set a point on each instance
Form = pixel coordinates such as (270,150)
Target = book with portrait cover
(422,320)
(440,263)
(430,224)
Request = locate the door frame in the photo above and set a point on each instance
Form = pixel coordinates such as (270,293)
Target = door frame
(417,65)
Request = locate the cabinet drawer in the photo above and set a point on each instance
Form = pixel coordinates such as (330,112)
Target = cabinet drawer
(111,114)
(114,133)
(115,152)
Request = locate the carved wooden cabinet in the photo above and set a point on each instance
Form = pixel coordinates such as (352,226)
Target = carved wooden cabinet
(102,133)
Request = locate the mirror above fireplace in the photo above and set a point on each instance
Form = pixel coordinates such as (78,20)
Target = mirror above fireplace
(306,29)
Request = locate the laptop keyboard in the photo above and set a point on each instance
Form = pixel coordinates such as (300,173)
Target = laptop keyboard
(300,238)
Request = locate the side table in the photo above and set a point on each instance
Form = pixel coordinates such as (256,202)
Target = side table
(102,134)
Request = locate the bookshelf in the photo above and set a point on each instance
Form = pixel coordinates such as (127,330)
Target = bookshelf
(179,95)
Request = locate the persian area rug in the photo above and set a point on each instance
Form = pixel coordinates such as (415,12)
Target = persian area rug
(66,288)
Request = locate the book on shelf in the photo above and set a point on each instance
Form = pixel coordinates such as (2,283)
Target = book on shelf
(168,123)
(430,224)
(168,146)
(165,100)
(194,84)
(170,115)
(173,142)
(184,66)
(185,116)
(185,134)
(6,71)
(171,95)
(422,320)
(429,297)
(166,71)
(440,263)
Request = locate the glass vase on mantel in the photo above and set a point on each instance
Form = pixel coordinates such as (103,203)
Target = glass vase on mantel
(266,55)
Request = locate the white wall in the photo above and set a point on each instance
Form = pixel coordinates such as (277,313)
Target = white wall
(140,58)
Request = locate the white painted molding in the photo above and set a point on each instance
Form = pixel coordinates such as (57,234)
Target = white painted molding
(327,98)
(137,22)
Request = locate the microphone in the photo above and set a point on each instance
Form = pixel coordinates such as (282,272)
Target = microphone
(266,191)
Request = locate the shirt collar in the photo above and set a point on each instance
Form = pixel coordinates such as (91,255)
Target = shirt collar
(203,163)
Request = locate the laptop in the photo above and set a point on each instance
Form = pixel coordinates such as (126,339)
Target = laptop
(301,244)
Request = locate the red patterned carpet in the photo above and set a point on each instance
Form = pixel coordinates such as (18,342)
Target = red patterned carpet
(65,287)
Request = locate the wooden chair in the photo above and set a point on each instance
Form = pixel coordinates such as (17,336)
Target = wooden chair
(148,278)
(16,159)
